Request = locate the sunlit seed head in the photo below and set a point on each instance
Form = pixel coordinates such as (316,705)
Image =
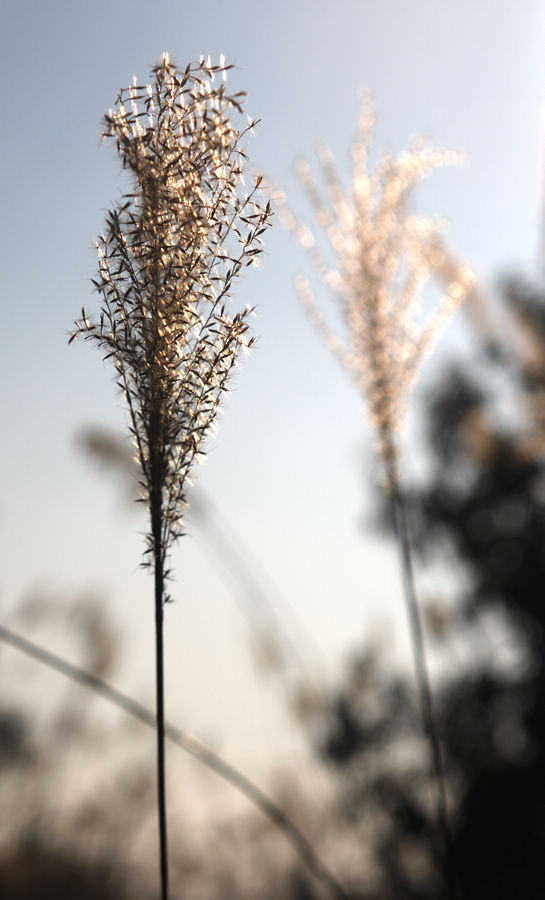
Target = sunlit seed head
(383,256)
(170,253)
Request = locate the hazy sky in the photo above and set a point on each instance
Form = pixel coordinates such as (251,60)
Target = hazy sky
(293,455)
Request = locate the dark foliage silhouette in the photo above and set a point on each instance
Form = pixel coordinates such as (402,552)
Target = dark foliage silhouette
(485,505)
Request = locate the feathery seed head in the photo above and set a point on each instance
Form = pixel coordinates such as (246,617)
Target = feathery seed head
(167,261)
(383,257)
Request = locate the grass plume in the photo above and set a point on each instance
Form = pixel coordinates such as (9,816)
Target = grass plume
(384,255)
(168,257)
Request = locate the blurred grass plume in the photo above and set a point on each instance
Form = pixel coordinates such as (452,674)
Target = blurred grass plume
(384,255)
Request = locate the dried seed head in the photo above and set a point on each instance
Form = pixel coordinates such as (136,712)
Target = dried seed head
(167,260)
(384,256)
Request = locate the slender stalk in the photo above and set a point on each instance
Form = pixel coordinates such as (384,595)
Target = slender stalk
(160,706)
(157,526)
(423,684)
(191,745)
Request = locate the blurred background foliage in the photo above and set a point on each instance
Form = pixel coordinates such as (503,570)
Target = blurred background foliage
(76,788)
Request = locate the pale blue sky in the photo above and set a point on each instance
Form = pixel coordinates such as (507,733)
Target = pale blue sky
(288,465)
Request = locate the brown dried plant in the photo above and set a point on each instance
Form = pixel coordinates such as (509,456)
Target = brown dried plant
(384,256)
(167,261)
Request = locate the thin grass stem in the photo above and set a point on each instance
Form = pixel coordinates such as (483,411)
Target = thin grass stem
(160,707)
(429,723)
